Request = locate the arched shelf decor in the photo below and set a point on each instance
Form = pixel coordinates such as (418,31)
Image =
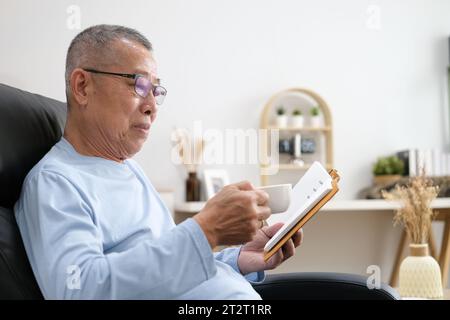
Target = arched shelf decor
(314,133)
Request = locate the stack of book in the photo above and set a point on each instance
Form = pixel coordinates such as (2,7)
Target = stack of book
(435,163)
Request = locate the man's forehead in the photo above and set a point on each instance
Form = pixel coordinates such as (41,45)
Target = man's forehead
(134,57)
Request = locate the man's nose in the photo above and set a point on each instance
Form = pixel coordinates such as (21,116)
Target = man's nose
(148,105)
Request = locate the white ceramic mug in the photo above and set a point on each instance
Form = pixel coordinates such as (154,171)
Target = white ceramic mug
(279,196)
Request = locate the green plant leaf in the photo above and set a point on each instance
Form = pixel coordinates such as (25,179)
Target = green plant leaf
(314,111)
(281,110)
(388,166)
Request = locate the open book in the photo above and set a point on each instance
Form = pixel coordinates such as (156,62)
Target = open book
(311,192)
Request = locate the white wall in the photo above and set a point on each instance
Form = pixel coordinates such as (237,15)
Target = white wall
(384,86)
(222,60)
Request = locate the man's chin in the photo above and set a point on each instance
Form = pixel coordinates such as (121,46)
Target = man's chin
(138,144)
(134,142)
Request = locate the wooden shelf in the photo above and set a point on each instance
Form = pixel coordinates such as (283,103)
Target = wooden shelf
(192,206)
(287,166)
(365,205)
(320,129)
(308,99)
(357,205)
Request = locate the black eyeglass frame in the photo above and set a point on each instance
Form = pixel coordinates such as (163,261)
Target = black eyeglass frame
(133,76)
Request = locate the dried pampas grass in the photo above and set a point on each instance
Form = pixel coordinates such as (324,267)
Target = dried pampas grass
(415,213)
(190,149)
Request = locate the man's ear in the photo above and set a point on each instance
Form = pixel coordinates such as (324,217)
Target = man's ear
(80,83)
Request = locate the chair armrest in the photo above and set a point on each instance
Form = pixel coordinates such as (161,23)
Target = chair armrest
(321,286)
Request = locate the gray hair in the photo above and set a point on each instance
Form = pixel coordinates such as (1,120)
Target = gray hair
(90,47)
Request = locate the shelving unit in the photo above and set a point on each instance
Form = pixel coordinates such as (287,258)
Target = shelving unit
(324,129)
(304,99)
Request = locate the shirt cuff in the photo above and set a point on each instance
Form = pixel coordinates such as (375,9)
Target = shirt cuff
(252,277)
(202,245)
(256,277)
(231,255)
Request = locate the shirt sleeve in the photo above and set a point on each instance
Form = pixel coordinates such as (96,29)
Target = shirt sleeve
(63,243)
(230,256)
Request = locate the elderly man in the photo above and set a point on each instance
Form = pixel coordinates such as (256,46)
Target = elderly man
(92,223)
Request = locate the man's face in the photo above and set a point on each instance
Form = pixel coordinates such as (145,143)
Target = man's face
(120,119)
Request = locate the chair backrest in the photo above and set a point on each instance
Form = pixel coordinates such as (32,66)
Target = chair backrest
(30,125)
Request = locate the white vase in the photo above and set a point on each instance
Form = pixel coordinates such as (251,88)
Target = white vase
(315,121)
(297,121)
(420,274)
(282,121)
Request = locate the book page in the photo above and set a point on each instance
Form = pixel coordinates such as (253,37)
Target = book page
(310,189)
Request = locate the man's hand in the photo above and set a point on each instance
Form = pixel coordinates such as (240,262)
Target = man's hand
(234,214)
(251,257)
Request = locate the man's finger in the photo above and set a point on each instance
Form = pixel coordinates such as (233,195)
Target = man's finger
(271,230)
(288,249)
(262,197)
(244,185)
(297,238)
(263,213)
(276,259)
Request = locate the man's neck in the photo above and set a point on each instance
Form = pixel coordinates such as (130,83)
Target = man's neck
(87,146)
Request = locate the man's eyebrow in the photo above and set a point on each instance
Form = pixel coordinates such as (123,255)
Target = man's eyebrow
(145,73)
(142,72)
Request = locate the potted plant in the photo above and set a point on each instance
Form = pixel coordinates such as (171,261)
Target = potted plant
(315,119)
(420,274)
(297,119)
(281,117)
(387,170)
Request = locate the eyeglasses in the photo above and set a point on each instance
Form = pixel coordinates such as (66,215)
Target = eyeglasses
(142,85)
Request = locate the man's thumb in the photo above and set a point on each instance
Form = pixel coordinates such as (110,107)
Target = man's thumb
(271,230)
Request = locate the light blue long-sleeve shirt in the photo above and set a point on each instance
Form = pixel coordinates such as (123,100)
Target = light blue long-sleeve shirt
(97,229)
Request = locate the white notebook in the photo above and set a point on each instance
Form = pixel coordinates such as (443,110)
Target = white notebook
(308,191)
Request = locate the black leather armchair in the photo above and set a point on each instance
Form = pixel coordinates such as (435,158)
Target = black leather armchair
(30,125)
